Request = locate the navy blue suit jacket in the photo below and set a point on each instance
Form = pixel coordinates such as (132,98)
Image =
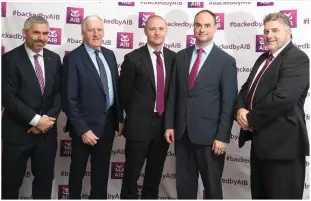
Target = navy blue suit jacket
(84,99)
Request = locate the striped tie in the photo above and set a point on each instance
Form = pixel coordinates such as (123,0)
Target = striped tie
(39,73)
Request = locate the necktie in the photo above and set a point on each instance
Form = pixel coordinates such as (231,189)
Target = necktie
(103,77)
(39,73)
(160,85)
(195,67)
(256,81)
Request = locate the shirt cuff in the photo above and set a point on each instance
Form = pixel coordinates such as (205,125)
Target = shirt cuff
(35,120)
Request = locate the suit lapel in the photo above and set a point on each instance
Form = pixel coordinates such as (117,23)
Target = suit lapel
(205,67)
(188,56)
(29,70)
(148,65)
(47,69)
(89,63)
(168,68)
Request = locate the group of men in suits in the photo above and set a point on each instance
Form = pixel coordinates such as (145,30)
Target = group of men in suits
(189,99)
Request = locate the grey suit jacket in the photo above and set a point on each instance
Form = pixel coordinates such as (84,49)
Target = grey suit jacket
(206,111)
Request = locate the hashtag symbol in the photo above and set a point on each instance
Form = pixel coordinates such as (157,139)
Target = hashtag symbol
(62,173)
(306,21)
(231,24)
(68,40)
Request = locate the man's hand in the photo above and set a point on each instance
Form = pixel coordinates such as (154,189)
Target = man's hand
(219,147)
(120,132)
(169,136)
(89,138)
(241,118)
(34,130)
(45,123)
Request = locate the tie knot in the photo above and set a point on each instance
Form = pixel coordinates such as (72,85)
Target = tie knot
(36,56)
(96,52)
(200,50)
(158,53)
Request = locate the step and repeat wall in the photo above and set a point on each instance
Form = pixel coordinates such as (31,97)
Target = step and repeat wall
(239,33)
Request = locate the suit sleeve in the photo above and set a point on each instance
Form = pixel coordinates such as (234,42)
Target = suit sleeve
(10,85)
(72,97)
(171,99)
(55,110)
(127,78)
(119,107)
(293,81)
(229,91)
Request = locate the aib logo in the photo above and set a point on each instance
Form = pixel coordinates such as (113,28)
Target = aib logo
(124,40)
(65,147)
(292,15)
(117,170)
(190,40)
(220,21)
(260,44)
(3,9)
(265,3)
(2,50)
(74,15)
(140,190)
(63,192)
(143,17)
(55,36)
(126,3)
(195,4)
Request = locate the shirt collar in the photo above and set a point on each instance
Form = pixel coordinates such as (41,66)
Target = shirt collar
(31,53)
(206,49)
(151,50)
(89,49)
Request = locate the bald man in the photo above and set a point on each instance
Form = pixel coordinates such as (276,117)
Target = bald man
(144,80)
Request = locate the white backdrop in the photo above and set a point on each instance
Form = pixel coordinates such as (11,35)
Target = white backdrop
(239,33)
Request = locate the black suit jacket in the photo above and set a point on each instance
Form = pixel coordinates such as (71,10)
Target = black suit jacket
(84,99)
(137,91)
(277,116)
(21,95)
(207,109)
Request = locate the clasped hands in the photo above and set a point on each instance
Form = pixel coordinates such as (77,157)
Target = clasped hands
(218,147)
(44,124)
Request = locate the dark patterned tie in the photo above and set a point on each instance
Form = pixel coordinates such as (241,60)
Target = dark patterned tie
(103,77)
(160,84)
(39,73)
(256,81)
(195,68)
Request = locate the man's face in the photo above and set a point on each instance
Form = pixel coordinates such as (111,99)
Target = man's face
(276,35)
(36,36)
(156,30)
(93,33)
(204,28)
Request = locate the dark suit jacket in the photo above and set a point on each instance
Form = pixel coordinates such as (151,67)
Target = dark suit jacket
(84,99)
(21,95)
(207,109)
(277,116)
(137,91)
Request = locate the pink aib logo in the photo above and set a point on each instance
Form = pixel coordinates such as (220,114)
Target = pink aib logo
(220,21)
(143,17)
(55,36)
(260,44)
(195,4)
(124,40)
(74,15)
(117,170)
(292,15)
(126,3)
(190,40)
(63,192)
(262,3)
(3,9)
(65,148)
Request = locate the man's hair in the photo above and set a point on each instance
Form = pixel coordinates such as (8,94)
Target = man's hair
(83,24)
(34,19)
(280,17)
(207,11)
